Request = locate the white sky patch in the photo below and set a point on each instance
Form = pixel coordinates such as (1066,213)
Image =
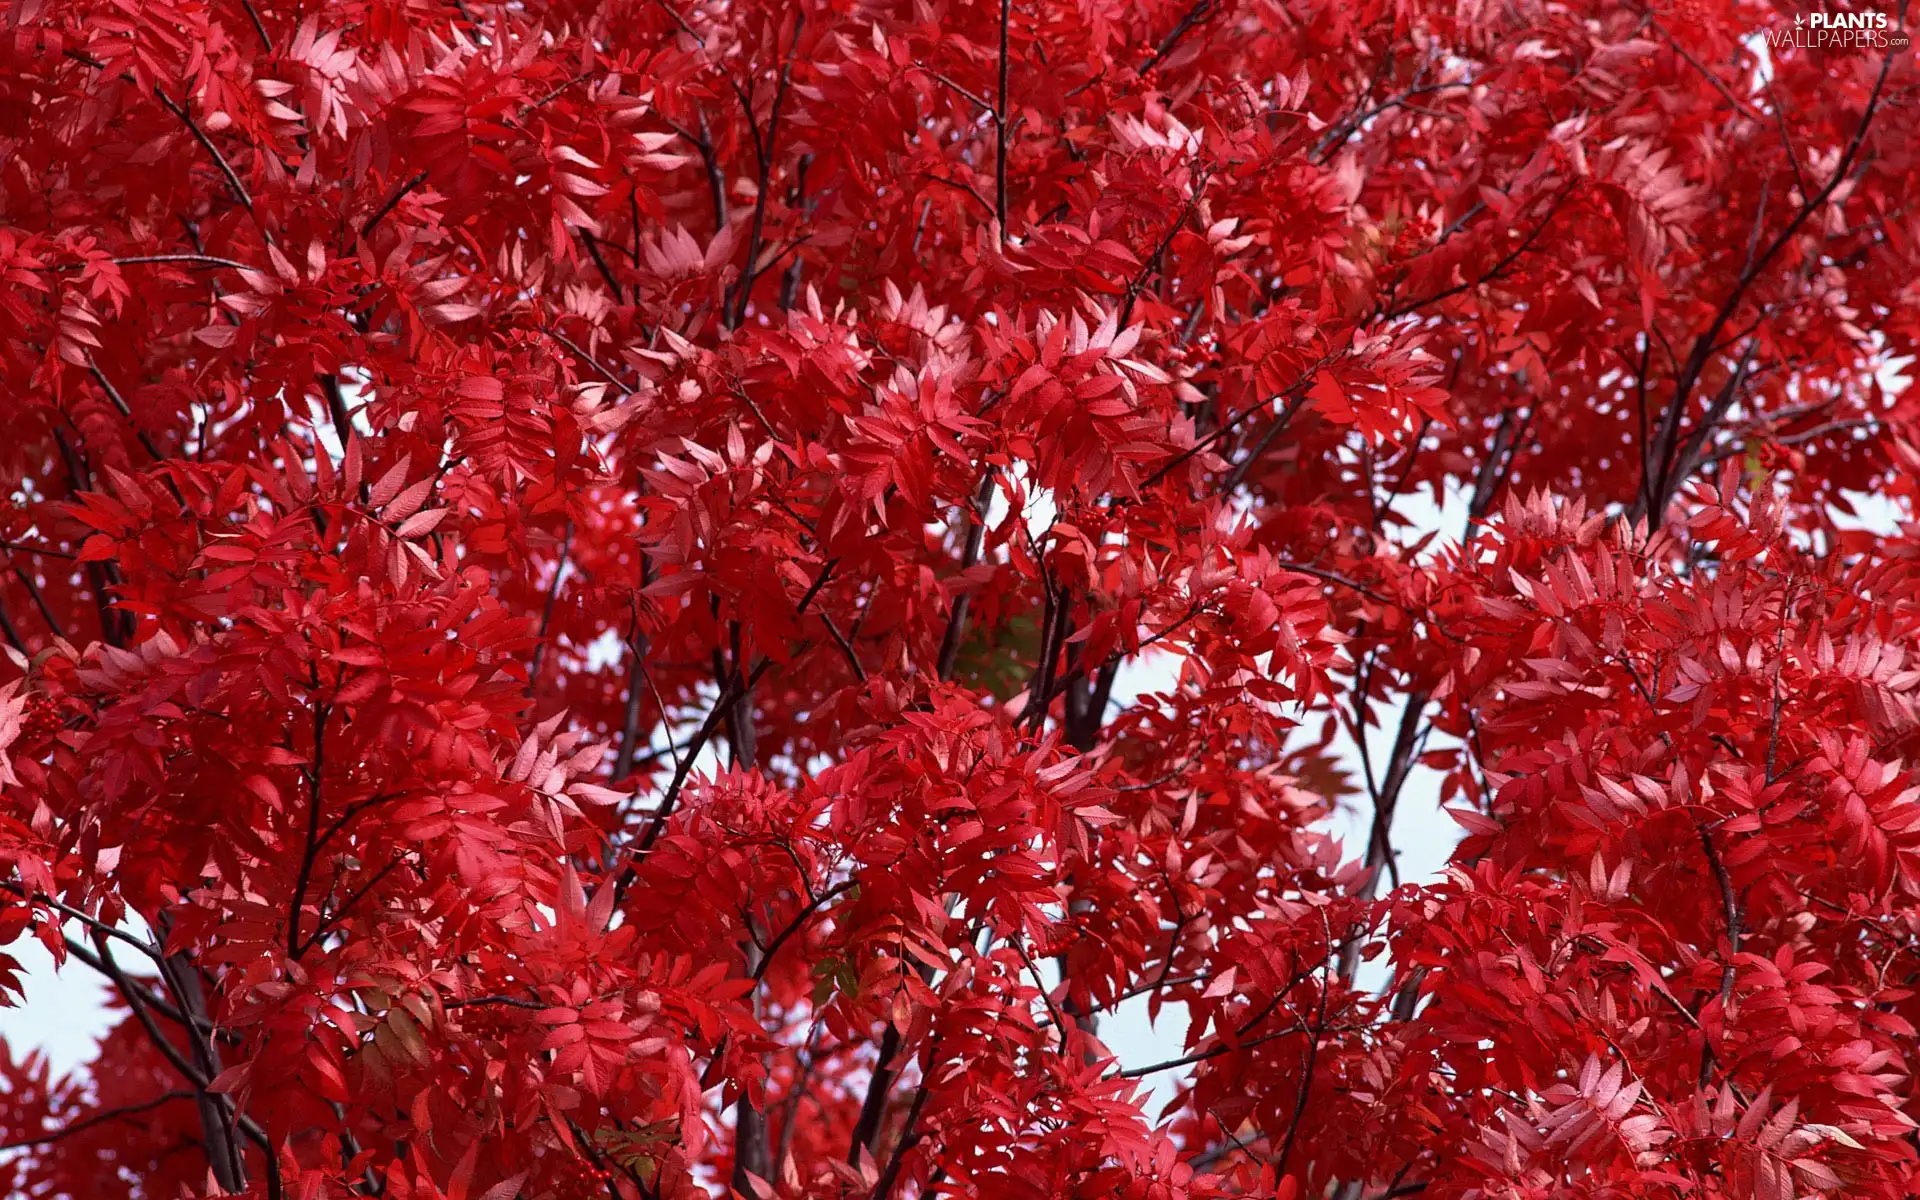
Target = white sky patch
(65,1012)
(1423,837)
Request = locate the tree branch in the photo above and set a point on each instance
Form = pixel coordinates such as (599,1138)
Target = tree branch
(100,1118)
(1198,13)
(1656,493)
(380,214)
(311,853)
(744,288)
(1000,128)
(220,160)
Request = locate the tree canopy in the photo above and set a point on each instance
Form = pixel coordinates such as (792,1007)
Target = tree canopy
(578,578)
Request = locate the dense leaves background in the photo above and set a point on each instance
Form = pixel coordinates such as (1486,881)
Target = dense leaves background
(567,567)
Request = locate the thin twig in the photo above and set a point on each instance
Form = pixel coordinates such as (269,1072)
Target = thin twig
(1000,128)
(100,1118)
(380,214)
(233,181)
(1198,13)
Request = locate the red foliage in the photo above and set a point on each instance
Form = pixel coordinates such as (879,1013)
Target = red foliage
(578,576)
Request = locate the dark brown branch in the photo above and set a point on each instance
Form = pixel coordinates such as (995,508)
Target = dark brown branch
(979,102)
(846,647)
(744,288)
(120,404)
(354,810)
(94,924)
(100,1118)
(380,214)
(1498,269)
(1000,128)
(337,408)
(1199,1056)
(1344,129)
(1688,459)
(630,719)
(509,1001)
(1229,1044)
(223,1158)
(11,632)
(311,853)
(866,1130)
(793,927)
(113,628)
(790,282)
(958,186)
(39,601)
(1296,389)
(909,1135)
(600,262)
(43,551)
(1655,494)
(1198,13)
(1306,1073)
(590,360)
(1336,578)
(969,558)
(1730,910)
(259,27)
(184,980)
(716,183)
(184,260)
(715,716)
(1238,475)
(220,160)
(1054,620)
(1040,985)
(1718,84)
(1152,264)
(330,921)
(751,1148)
(546,610)
(80,952)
